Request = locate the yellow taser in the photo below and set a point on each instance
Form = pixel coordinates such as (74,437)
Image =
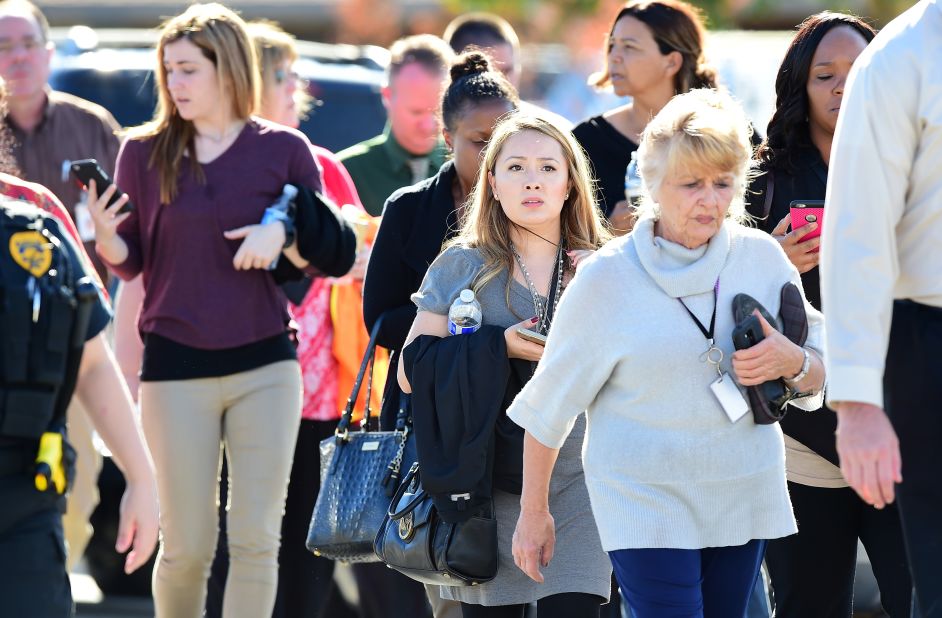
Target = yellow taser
(49,469)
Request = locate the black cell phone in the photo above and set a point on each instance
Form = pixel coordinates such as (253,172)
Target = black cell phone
(86,170)
(747,333)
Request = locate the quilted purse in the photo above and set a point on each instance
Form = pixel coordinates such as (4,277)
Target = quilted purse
(359,473)
(417,542)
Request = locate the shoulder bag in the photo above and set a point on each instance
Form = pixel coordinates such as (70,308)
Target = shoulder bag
(359,473)
(417,542)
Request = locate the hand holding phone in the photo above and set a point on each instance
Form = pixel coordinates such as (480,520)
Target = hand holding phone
(86,170)
(804,212)
(531,336)
(747,333)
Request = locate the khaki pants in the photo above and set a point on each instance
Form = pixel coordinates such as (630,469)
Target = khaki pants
(83,494)
(256,413)
(441,608)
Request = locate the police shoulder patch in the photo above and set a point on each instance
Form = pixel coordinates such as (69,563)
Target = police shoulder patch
(31,251)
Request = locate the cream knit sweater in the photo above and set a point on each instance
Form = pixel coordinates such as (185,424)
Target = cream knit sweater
(664,465)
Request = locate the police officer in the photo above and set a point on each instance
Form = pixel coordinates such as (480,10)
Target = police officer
(51,344)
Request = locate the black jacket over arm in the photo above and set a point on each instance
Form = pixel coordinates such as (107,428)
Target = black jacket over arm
(324,238)
(807,181)
(416,221)
(462,386)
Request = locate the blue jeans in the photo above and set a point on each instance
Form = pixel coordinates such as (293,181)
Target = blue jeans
(688,583)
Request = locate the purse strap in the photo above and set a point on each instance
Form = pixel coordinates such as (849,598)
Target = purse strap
(368,357)
(396,513)
(769,192)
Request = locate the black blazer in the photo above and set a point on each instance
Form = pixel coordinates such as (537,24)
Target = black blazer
(465,442)
(417,220)
(324,238)
(808,181)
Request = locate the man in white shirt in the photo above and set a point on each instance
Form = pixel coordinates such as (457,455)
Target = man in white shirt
(881,279)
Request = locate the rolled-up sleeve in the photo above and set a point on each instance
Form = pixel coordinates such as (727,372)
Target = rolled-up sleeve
(580,356)
(815,342)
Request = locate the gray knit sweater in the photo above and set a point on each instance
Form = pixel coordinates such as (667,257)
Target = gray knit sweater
(664,465)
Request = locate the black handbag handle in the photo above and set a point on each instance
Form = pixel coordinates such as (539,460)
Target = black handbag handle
(394,515)
(347,417)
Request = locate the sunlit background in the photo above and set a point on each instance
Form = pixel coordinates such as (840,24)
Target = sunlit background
(562,44)
(104,53)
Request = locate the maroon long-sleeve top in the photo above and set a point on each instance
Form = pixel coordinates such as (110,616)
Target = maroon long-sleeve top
(195,296)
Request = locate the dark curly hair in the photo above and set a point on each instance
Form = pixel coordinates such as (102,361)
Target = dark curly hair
(473,82)
(788,129)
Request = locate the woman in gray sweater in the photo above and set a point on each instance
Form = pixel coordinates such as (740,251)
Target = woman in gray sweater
(685,487)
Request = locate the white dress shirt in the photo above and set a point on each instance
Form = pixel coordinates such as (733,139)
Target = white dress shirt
(882,237)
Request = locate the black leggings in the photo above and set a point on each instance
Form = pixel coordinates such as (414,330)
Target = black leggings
(565,605)
(812,572)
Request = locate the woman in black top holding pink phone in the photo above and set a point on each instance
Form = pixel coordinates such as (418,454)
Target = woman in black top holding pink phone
(812,572)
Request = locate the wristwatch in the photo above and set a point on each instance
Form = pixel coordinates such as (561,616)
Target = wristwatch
(805,366)
(275,214)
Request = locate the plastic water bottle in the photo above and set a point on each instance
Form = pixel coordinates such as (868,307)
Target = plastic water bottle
(283,208)
(464,316)
(633,188)
(285,201)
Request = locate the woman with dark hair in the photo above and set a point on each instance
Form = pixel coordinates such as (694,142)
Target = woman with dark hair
(654,51)
(813,572)
(418,219)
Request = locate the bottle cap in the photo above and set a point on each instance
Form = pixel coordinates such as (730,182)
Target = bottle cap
(467,296)
(291,191)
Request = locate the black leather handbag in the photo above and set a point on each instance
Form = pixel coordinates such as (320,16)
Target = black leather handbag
(417,542)
(359,473)
(769,400)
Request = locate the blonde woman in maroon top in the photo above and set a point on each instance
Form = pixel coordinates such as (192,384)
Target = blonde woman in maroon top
(218,364)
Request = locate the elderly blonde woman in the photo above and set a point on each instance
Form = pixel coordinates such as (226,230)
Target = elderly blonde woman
(685,489)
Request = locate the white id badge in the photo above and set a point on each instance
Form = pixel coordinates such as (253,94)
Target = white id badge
(729,397)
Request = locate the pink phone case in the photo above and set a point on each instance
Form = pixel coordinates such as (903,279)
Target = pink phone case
(804,215)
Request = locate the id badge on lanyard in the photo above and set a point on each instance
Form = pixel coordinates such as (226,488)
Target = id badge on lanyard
(724,387)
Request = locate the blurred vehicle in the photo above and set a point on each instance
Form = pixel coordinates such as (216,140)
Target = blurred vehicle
(114,68)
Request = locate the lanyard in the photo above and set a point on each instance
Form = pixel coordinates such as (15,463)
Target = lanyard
(706,333)
(713,355)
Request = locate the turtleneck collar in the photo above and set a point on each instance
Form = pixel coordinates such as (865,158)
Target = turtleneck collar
(677,270)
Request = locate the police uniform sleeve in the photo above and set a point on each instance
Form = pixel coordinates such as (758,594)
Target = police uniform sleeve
(101,313)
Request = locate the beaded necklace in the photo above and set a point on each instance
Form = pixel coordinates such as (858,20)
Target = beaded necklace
(542,312)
